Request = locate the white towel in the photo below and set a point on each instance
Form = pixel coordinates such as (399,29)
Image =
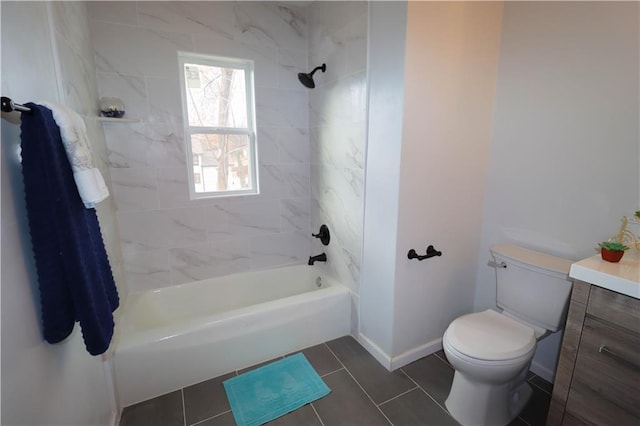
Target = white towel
(89,180)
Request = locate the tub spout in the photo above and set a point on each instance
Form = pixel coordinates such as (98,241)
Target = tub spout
(322,257)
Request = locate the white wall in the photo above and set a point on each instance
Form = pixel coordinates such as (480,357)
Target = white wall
(387,28)
(431,103)
(450,76)
(564,162)
(42,384)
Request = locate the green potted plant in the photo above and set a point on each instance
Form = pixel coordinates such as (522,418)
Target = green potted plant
(612,251)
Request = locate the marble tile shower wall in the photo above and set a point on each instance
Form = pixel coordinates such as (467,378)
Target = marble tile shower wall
(79,92)
(337,123)
(168,239)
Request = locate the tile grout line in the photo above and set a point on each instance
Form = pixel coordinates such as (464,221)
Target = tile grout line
(444,408)
(184,409)
(331,372)
(209,418)
(359,385)
(334,372)
(317,415)
(539,387)
(522,420)
(398,396)
(442,359)
(325,375)
(427,393)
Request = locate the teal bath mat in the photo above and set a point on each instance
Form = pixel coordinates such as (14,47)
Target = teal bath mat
(273,390)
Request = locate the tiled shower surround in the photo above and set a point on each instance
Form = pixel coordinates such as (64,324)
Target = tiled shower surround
(337,123)
(168,239)
(78,82)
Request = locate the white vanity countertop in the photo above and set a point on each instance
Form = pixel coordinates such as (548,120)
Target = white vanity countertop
(622,277)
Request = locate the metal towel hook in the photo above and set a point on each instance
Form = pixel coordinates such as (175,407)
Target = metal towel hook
(431,252)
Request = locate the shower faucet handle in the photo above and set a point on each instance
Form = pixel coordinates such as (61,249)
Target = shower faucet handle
(324,235)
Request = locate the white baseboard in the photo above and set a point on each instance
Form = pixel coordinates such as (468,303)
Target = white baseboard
(114,418)
(393,363)
(542,371)
(416,353)
(407,357)
(375,351)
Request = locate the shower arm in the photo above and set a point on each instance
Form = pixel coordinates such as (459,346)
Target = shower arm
(321,67)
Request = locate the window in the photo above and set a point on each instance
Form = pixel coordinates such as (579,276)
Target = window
(219,121)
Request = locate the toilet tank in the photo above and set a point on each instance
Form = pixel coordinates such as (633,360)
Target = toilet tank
(534,286)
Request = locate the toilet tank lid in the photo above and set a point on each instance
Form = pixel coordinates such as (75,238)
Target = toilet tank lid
(532,257)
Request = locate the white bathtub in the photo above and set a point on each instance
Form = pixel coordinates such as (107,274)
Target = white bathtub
(178,336)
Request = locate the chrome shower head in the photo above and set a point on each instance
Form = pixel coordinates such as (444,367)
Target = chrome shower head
(307,78)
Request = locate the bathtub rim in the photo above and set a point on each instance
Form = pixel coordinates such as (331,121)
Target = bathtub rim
(129,339)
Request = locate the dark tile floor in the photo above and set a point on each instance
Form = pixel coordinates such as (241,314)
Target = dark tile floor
(362,393)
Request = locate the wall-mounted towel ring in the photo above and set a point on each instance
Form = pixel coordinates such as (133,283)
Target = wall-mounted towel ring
(431,252)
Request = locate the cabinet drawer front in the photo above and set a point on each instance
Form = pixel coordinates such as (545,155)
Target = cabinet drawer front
(606,381)
(615,307)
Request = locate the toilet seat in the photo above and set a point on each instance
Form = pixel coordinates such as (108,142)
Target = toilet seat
(490,336)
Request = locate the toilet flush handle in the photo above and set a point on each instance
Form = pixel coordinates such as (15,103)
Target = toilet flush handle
(495,264)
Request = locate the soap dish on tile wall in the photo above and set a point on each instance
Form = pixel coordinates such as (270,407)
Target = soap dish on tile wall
(111,107)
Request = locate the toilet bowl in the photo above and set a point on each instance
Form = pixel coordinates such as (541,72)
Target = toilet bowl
(491,351)
(491,354)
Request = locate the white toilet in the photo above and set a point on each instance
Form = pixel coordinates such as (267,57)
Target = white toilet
(491,351)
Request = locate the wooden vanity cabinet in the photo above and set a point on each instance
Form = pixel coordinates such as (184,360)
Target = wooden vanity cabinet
(598,376)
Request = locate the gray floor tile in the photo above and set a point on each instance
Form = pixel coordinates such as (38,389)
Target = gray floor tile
(165,410)
(221,420)
(440,354)
(518,422)
(433,375)
(206,399)
(542,384)
(206,404)
(322,360)
(379,383)
(303,416)
(535,412)
(347,404)
(416,408)
(262,364)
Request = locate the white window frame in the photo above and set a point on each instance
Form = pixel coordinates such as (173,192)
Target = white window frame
(223,62)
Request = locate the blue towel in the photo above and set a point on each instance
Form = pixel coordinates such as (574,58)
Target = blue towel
(74,275)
